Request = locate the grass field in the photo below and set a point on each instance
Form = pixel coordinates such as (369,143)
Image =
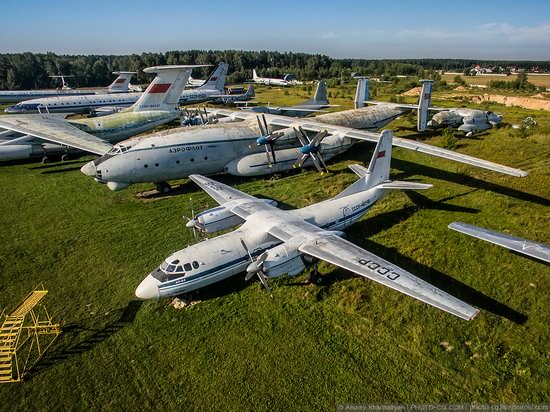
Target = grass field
(310,347)
(537,79)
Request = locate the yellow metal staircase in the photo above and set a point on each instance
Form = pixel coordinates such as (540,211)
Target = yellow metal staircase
(32,317)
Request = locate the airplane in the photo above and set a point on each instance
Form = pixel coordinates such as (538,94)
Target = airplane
(213,86)
(15,96)
(116,95)
(535,250)
(272,242)
(104,103)
(226,99)
(252,145)
(25,136)
(469,121)
(317,103)
(268,81)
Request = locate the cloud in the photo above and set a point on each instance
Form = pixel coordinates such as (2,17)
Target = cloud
(329,35)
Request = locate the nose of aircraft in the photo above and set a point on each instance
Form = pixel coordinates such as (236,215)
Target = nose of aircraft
(89,169)
(148,288)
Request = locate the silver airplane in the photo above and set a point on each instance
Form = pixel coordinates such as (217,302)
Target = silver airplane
(227,99)
(539,251)
(254,146)
(25,136)
(272,242)
(313,105)
(469,121)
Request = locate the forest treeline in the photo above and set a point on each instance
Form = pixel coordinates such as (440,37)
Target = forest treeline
(32,70)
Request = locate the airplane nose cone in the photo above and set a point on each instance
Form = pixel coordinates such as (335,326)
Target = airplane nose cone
(148,288)
(89,169)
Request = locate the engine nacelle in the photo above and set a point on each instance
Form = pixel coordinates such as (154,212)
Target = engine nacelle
(20,151)
(284,259)
(220,218)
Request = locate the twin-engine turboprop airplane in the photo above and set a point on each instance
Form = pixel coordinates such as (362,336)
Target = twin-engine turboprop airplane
(269,81)
(273,242)
(43,135)
(250,147)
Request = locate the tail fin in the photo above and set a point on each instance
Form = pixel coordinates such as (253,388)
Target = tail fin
(165,90)
(362,92)
(250,92)
(378,170)
(122,82)
(424,104)
(216,80)
(320,96)
(254,74)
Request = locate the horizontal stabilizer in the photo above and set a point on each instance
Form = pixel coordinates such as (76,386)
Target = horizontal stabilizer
(404,185)
(359,170)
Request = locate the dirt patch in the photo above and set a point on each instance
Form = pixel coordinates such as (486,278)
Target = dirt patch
(532,102)
(460,89)
(415,91)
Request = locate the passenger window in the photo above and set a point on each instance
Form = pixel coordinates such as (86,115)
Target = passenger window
(196,264)
(187,267)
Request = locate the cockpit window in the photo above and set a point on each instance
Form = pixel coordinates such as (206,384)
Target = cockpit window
(187,267)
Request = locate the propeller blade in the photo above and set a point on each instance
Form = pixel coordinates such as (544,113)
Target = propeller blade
(300,161)
(322,162)
(267,154)
(273,153)
(262,131)
(316,163)
(304,134)
(263,279)
(265,124)
(318,137)
(246,249)
(300,137)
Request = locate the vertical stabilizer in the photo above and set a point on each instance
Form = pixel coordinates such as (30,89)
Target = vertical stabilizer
(254,74)
(320,96)
(165,90)
(216,80)
(379,168)
(362,92)
(121,83)
(424,104)
(250,92)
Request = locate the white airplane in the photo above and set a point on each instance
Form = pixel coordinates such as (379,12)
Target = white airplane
(268,81)
(539,251)
(212,87)
(272,242)
(14,96)
(24,136)
(469,121)
(115,95)
(254,146)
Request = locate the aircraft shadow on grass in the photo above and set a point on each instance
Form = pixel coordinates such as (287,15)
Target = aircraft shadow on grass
(64,170)
(43,166)
(64,348)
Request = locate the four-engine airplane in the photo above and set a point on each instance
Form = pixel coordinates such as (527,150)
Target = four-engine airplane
(250,147)
(273,242)
(469,121)
(269,81)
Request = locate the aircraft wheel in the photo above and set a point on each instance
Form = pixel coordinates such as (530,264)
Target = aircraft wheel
(314,277)
(163,187)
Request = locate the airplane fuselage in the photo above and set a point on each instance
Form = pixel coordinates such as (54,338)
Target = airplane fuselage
(218,258)
(210,149)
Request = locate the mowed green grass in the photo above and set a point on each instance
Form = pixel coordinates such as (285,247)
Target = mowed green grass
(310,347)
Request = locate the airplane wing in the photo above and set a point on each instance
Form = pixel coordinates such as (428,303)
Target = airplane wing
(218,191)
(311,125)
(406,106)
(54,130)
(537,250)
(337,251)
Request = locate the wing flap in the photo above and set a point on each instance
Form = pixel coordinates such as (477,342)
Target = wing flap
(54,130)
(340,252)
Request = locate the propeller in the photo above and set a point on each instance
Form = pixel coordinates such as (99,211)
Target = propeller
(193,223)
(256,267)
(311,148)
(267,138)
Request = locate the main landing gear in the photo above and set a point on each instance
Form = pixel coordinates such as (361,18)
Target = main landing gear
(315,277)
(163,187)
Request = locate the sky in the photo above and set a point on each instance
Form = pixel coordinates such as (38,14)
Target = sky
(516,30)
